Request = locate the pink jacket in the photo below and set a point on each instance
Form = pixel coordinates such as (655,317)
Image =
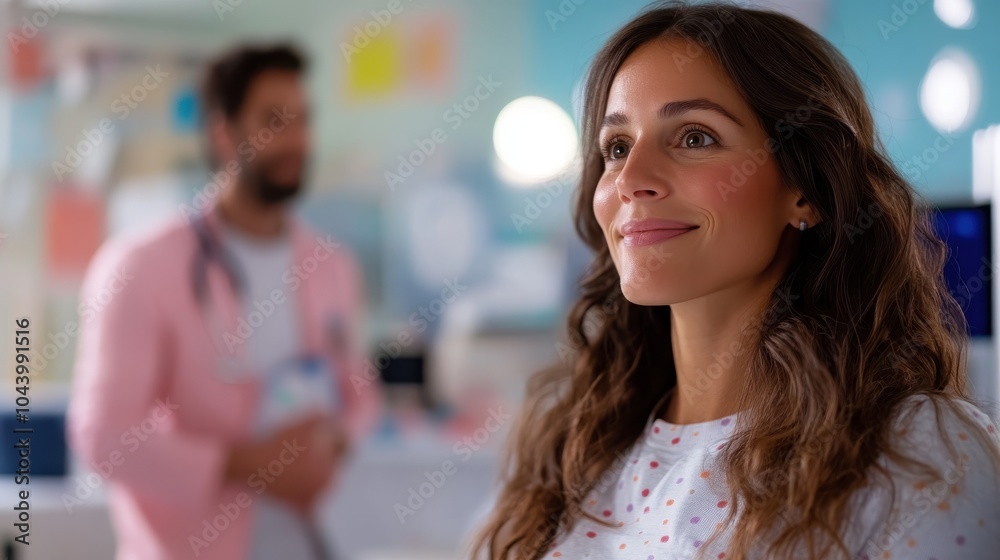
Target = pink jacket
(148,410)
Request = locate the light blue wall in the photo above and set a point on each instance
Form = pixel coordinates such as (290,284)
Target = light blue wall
(892,66)
(564,35)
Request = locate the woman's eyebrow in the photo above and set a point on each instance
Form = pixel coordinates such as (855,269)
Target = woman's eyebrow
(674,108)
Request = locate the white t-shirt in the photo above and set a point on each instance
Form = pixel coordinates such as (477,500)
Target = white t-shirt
(278,531)
(669,495)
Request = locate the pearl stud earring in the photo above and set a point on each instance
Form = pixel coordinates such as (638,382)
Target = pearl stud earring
(803,225)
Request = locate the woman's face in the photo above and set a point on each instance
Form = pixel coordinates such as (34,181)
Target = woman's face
(691,201)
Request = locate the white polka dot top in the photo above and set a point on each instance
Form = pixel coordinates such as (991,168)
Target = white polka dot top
(667,496)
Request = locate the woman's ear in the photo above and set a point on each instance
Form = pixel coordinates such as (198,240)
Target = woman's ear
(805,212)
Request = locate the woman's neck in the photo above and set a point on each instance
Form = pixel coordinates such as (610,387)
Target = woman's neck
(710,362)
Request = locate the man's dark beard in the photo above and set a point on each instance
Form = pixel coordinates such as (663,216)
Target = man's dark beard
(266,191)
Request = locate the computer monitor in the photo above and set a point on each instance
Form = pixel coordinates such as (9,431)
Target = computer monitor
(970,270)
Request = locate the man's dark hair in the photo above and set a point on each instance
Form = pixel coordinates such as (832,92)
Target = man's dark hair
(229,77)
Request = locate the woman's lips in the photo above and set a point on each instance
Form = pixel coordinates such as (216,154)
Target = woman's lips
(638,233)
(653,236)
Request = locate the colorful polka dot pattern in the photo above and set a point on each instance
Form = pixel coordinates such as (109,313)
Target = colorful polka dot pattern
(670,497)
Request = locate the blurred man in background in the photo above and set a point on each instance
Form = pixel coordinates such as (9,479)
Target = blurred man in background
(214,391)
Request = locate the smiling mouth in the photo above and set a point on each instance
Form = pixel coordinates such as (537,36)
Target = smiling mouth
(652,236)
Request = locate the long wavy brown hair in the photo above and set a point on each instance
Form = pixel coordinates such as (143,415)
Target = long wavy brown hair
(860,321)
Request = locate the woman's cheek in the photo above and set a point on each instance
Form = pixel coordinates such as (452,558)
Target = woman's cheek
(605,203)
(714,186)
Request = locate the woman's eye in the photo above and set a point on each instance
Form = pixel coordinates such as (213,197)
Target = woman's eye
(618,150)
(696,139)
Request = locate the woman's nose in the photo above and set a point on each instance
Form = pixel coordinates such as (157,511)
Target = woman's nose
(643,176)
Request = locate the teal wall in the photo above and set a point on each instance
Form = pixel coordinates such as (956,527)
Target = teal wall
(892,66)
(565,35)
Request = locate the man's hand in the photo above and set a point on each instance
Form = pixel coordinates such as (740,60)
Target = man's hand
(303,479)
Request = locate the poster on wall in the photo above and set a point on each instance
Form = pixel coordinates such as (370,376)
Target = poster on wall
(74,230)
(384,59)
(25,55)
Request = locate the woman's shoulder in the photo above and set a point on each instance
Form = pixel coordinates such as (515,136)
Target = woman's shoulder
(932,421)
(943,498)
(950,435)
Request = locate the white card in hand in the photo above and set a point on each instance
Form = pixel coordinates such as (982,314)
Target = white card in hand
(295,389)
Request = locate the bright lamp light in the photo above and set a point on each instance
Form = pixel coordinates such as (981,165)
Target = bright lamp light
(956,13)
(534,139)
(949,94)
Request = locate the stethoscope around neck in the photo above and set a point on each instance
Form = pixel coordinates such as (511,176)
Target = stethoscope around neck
(230,368)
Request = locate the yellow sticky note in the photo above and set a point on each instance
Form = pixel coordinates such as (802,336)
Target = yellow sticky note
(376,68)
